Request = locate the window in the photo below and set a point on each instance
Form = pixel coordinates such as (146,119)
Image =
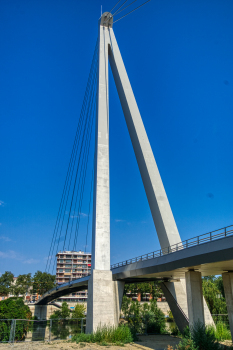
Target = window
(75,256)
(68,261)
(68,256)
(68,265)
(67,270)
(61,261)
(60,270)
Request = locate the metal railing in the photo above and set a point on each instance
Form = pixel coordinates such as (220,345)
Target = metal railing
(15,330)
(206,237)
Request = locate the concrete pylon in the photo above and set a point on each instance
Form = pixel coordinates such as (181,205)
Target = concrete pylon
(227,278)
(159,205)
(104,295)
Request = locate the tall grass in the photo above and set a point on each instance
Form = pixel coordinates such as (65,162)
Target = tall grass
(106,334)
(221,332)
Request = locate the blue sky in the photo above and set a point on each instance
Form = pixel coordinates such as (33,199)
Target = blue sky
(178,55)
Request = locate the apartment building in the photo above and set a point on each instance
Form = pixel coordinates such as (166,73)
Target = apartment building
(70,266)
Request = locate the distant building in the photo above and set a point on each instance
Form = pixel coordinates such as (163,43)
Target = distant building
(70,266)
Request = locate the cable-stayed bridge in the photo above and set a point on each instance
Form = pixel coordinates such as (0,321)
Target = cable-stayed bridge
(179,265)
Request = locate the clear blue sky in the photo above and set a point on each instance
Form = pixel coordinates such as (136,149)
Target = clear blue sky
(179,58)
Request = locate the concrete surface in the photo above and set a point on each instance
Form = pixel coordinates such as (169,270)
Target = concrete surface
(100,305)
(228,289)
(194,297)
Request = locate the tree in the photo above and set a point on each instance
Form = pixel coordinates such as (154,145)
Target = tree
(6,281)
(213,292)
(64,312)
(22,285)
(42,282)
(14,308)
(153,288)
(79,311)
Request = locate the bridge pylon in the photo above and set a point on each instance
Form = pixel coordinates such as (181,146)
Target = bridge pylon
(104,295)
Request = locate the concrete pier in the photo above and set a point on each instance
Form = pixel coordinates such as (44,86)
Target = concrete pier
(227,278)
(194,297)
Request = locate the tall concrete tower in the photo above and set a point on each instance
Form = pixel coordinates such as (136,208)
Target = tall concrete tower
(104,295)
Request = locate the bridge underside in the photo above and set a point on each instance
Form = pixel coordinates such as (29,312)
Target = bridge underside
(212,258)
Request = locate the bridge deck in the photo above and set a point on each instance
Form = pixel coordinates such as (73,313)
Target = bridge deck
(210,258)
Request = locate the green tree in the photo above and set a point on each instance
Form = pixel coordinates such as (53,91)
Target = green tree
(79,311)
(64,312)
(153,288)
(213,295)
(6,282)
(14,308)
(22,285)
(42,282)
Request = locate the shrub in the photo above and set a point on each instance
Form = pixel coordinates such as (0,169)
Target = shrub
(187,344)
(204,337)
(106,334)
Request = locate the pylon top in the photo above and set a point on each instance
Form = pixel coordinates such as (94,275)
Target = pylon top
(106,20)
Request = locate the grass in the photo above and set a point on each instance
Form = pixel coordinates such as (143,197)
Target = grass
(221,332)
(106,335)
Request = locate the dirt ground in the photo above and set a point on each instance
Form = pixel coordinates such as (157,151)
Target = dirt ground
(155,342)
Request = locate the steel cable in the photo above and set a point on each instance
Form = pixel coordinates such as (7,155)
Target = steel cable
(72,162)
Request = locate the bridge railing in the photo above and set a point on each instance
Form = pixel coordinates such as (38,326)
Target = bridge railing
(206,237)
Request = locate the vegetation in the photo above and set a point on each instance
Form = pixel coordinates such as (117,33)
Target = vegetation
(6,282)
(79,311)
(213,292)
(42,282)
(105,335)
(63,313)
(14,308)
(203,337)
(143,288)
(145,317)
(22,285)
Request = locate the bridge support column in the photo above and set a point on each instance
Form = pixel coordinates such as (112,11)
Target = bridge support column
(100,304)
(194,297)
(227,278)
(41,312)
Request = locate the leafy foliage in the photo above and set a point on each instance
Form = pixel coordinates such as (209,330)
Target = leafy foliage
(213,292)
(63,313)
(186,344)
(22,285)
(14,308)
(144,287)
(6,281)
(42,282)
(204,337)
(79,311)
(145,317)
(105,335)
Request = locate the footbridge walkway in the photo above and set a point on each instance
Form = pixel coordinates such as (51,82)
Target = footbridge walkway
(210,254)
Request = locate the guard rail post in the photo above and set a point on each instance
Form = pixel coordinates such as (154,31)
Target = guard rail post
(50,329)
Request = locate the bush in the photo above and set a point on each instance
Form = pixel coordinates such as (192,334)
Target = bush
(106,334)
(14,308)
(144,318)
(204,337)
(186,344)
